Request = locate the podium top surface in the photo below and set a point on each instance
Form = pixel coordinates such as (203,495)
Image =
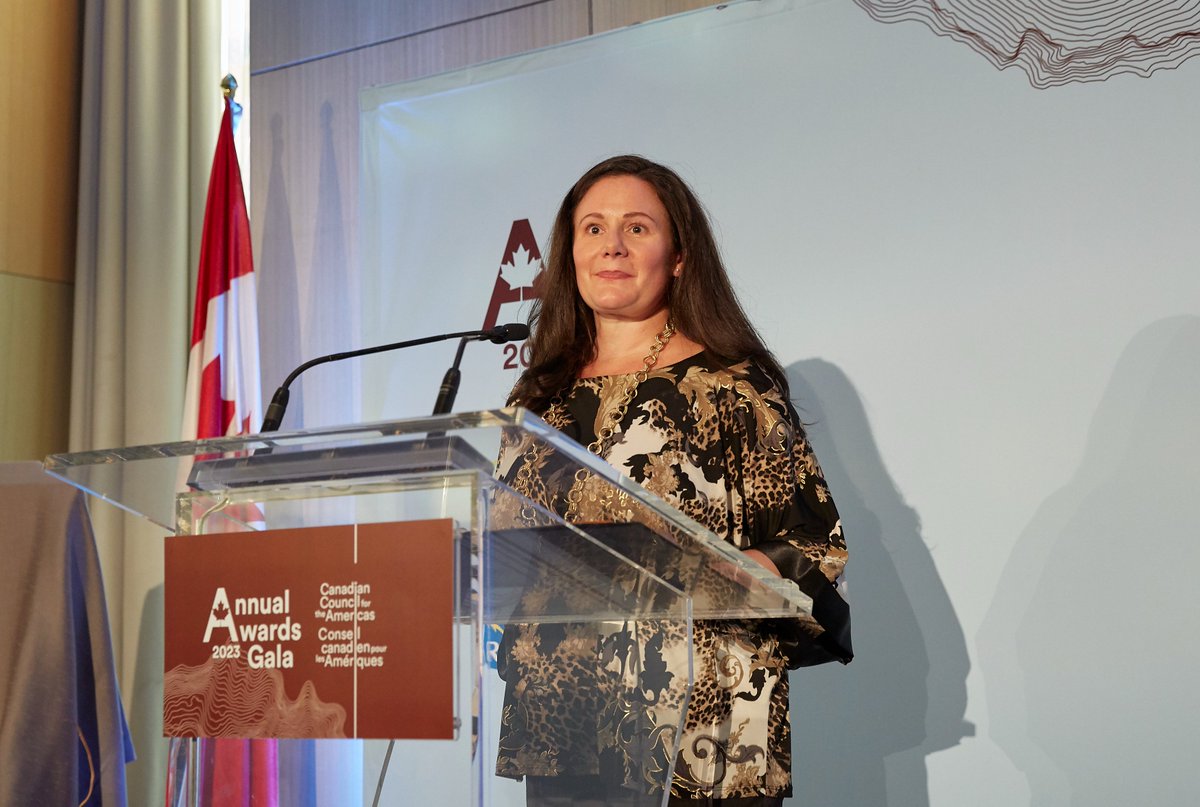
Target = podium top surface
(163,482)
(145,479)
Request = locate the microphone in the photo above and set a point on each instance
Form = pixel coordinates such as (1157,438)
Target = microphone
(498,335)
(511,332)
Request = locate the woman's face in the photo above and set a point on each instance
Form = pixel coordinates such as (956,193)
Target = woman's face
(624,255)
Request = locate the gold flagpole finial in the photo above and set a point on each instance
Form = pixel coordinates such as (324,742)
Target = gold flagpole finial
(229,86)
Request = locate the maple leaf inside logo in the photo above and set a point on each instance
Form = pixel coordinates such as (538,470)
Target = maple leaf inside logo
(523,270)
(220,612)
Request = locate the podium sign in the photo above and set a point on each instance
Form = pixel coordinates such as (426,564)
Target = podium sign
(304,632)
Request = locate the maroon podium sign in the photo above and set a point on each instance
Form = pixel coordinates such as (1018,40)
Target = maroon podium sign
(320,632)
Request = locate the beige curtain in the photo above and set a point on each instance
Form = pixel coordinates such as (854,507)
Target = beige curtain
(151,104)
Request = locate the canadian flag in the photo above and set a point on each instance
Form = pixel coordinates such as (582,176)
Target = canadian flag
(224,396)
(224,399)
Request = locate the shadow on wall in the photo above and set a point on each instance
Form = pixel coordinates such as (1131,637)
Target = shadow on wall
(1088,651)
(307,309)
(331,302)
(278,284)
(861,733)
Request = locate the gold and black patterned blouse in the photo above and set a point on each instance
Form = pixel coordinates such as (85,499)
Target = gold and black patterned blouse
(723,446)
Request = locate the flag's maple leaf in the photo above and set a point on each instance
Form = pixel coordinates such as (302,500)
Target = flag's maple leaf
(220,612)
(523,270)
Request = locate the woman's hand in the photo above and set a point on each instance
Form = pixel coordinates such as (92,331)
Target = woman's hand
(762,560)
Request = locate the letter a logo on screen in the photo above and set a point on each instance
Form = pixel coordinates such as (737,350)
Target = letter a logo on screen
(518,279)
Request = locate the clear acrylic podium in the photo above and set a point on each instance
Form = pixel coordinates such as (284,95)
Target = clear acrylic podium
(656,565)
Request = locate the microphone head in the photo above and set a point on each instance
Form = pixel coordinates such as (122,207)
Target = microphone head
(512,332)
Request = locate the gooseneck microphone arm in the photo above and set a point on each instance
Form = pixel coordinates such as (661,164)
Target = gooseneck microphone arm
(449,389)
(279,401)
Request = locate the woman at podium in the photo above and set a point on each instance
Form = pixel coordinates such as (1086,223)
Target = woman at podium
(641,351)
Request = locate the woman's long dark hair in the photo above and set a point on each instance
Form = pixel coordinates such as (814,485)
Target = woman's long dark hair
(701,300)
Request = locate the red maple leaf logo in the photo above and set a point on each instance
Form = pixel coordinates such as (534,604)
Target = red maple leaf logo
(220,612)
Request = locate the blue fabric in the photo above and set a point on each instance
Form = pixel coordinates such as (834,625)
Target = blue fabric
(63,727)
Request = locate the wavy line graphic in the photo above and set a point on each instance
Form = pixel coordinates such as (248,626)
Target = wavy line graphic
(1058,42)
(225,698)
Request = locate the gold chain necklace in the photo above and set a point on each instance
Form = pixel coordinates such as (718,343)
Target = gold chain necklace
(557,416)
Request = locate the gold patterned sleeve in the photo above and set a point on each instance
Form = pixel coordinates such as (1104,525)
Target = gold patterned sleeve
(788,514)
